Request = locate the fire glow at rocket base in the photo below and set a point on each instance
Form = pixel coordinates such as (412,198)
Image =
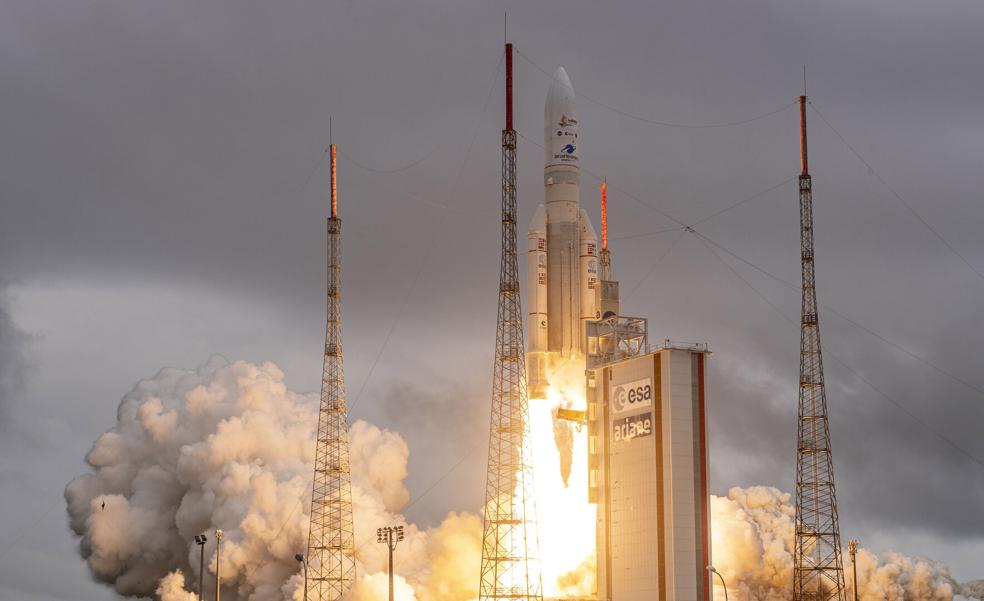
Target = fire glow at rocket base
(561,285)
(598,539)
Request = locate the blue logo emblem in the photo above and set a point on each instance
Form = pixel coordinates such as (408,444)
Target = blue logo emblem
(569,149)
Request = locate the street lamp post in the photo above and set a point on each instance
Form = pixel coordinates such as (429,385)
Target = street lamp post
(852,546)
(200,540)
(390,535)
(218,557)
(723,583)
(300,558)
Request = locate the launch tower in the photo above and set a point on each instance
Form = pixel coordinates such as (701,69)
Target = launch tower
(331,539)
(510,567)
(607,290)
(818,574)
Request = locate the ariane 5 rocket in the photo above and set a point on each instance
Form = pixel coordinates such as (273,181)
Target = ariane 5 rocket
(562,257)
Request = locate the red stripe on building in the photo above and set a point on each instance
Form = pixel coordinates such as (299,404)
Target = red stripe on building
(705,530)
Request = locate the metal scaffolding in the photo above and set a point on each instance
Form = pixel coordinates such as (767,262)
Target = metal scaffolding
(510,564)
(331,540)
(818,573)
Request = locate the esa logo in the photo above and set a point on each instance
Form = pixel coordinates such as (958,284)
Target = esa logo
(632,395)
(568,149)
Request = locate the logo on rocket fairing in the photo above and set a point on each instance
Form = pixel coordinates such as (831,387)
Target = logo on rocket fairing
(564,150)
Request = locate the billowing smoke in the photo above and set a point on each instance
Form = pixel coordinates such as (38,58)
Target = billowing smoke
(229,446)
(753,534)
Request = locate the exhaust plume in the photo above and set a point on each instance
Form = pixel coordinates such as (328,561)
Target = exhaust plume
(229,446)
(753,536)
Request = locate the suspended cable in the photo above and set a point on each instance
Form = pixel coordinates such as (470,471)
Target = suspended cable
(862,327)
(843,364)
(647,234)
(662,123)
(400,192)
(29,528)
(390,171)
(623,191)
(712,215)
(743,201)
(413,501)
(897,196)
(433,239)
(684,226)
(652,267)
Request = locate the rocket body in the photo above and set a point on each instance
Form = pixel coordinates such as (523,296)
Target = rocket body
(562,246)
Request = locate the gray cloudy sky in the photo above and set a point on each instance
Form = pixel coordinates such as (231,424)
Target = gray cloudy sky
(163,196)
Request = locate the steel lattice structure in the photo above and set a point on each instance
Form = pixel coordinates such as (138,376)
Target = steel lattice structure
(818,573)
(331,540)
(605,256)
(510,565)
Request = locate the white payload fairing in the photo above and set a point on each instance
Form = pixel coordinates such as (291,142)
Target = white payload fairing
(562,254)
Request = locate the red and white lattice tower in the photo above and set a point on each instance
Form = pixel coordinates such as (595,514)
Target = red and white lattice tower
(818,574)
(510,567)
(330,558)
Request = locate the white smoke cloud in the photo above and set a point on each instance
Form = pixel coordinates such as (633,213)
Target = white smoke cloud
(973,589)
(753,534)
(229,446)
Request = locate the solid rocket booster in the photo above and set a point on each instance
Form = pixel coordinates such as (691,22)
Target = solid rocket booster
(562,250)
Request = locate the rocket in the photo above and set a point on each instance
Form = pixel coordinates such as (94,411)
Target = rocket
(562,253)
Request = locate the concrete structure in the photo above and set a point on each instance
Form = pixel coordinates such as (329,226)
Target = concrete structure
(562,251)
(648,464)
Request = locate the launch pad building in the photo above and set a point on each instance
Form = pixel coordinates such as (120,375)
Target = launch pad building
(647,464)
(647,442)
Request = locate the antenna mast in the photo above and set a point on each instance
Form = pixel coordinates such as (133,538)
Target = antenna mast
(510,569)
(331,540)
(604,257)
(818,573)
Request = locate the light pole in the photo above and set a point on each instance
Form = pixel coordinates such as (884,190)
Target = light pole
(218,558)
(852,546)
(200,540)
(390,535)
(300,558)
(723,583)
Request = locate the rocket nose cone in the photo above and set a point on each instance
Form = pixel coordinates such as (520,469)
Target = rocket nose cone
(561,79)
(560,127)
(561,94)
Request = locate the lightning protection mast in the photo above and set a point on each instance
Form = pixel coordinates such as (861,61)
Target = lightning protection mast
(331,540)
(818,574)
(510,568)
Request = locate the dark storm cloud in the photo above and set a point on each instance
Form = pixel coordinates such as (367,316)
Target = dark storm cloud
(161,154)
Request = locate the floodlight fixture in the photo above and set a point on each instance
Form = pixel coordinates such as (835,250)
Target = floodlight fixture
(300,558)
(390,535)
(712,570)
